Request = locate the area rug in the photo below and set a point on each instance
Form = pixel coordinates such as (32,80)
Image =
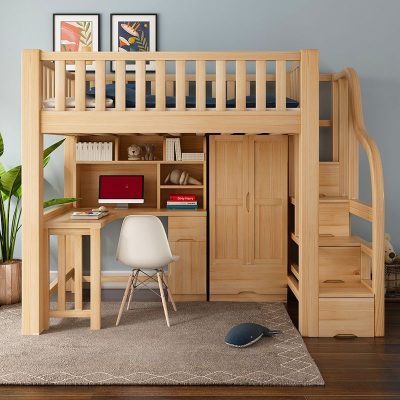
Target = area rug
(142,350)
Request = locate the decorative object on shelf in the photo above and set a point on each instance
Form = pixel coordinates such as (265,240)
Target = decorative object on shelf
(10,224)
(76,32)
(134,152)
(390,254)
(149,150)
(181,177)
(131,33)
(192,156)
(392,280)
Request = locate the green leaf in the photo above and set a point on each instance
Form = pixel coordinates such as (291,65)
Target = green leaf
(62,200)
(51,148)
(45,161)
(11,181)
(1,145)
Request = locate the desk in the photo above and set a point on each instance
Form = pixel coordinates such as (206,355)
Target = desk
(187,226)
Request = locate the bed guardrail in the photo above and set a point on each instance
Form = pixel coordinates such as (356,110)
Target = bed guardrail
(235,75)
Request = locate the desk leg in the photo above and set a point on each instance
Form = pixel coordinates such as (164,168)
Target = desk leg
(95,279)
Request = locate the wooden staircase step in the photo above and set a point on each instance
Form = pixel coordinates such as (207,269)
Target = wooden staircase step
(293,284)
(295,270)
(345,289)
(341,241)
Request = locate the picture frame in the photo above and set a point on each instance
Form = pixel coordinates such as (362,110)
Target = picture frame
(76,32)
(133,32)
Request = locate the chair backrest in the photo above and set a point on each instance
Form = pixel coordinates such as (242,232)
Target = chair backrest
(143,243)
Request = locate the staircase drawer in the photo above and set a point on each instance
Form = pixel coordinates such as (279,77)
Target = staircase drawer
(346,316)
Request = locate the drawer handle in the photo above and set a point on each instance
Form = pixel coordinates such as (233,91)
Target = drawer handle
(345,336)
(247,292)
(248,202)
(185,240)
(333,281)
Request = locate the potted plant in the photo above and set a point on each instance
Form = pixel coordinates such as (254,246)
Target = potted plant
(10,217)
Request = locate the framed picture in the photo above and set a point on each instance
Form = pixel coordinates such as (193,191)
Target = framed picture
(133,32)
(76,32)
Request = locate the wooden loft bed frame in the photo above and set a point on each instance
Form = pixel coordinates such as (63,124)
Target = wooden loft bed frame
(296,74)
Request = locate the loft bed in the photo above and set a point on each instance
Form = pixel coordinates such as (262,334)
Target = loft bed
(226,96)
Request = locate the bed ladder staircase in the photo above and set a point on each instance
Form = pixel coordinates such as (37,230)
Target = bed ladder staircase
(351,283)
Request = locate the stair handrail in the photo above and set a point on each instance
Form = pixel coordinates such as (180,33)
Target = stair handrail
(358,128)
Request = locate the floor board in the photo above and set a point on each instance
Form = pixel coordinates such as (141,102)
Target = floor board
(359,369)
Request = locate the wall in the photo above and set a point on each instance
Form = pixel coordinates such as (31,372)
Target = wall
(359,33)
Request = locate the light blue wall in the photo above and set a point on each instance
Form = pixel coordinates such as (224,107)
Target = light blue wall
(363,34)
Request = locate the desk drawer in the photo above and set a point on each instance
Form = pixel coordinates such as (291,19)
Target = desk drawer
(346,316)
(187,228)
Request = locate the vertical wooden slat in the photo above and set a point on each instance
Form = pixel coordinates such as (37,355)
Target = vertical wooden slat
(343,137)
(169,88)
(280,85)
(200,85)
(60,85)
(180,85)
(261,86)
(120,85)
(308,194)
(100,85)
(77,244)
(335,121)
(95,279)
(220,85)
(160,85)
(80,83)
(61,268)
(35,285)
(140,85)
(241,85)
(230,89)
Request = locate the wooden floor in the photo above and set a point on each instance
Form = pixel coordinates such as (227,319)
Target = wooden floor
(362,369)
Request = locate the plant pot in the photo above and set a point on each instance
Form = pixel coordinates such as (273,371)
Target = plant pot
(10,282)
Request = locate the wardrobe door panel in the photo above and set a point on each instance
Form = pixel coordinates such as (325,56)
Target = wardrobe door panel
(228,190)
(268,157)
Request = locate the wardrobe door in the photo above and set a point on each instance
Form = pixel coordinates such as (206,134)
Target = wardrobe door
(228,194)
(268,161)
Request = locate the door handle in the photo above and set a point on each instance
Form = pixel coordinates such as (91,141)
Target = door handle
(248,202)
(185,240)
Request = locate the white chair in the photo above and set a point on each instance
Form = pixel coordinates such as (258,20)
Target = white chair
(143,245)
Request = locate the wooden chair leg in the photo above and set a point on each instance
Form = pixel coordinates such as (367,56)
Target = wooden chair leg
(169,292)
(124,298)
(132,289)
(164,303)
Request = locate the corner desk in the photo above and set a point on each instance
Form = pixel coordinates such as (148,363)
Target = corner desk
(187,277)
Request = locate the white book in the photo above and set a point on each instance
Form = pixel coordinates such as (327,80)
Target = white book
(85,151)
(192,156)
(169,149)
(102,152)
(178,153)
(90,151)
(109,151)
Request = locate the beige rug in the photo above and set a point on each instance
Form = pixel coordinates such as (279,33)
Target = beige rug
(144,351)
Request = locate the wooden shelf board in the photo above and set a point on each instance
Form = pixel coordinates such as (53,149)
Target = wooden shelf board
(324,199)
(181,186)
(140,162)
(295,270)
(294,286)
(353,289)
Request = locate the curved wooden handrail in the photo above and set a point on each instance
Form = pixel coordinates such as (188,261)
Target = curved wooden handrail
(357,127)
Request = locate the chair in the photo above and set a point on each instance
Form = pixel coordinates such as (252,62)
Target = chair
(143,245)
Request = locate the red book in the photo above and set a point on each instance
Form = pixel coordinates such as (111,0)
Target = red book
(182,197)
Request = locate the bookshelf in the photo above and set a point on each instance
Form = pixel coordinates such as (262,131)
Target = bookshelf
(156,191)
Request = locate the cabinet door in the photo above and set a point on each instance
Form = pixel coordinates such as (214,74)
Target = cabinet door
(268,180)
(187,276)
(228,194)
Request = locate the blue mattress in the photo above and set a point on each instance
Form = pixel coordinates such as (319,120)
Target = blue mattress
(190,100)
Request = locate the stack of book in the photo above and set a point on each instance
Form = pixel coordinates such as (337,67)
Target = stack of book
(173,149)
(89,214)
(94,151)
(182,202)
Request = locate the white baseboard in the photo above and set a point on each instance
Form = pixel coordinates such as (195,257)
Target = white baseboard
(112,285)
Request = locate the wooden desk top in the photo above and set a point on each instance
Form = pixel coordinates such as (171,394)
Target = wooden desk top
(64,220)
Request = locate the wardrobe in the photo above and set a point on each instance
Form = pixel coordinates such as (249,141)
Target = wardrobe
(248,189)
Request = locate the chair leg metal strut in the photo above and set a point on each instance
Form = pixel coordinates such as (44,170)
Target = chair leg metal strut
(133,284)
